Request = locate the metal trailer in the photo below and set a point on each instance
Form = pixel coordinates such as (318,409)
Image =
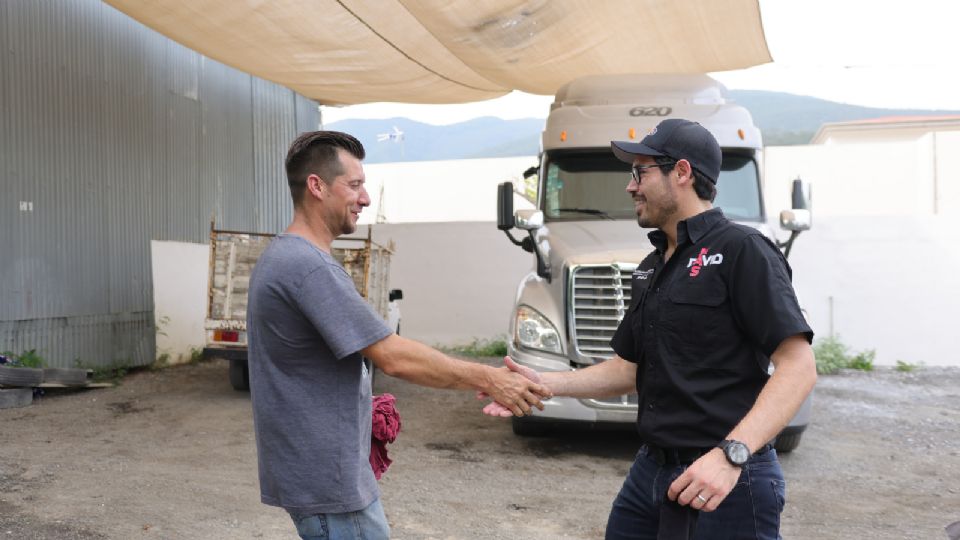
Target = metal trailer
(233,255)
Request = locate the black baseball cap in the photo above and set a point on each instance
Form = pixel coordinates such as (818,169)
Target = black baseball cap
(677,139)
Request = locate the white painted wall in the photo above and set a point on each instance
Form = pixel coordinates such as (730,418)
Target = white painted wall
(865,133)
(880,179)
(459,280)
(180,275)
(875,268)
(883,283)
(441,191)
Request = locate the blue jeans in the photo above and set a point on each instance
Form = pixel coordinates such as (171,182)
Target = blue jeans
(750,512)
(367,524)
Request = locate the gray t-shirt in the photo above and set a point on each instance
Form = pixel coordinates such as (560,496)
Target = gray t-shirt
(308,383)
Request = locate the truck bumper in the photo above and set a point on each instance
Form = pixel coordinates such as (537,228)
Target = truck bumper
(616,410)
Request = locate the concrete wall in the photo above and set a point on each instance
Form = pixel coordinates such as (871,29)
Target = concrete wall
(883,283)
(441,191)
(875,268)
(180,276)
(459,280)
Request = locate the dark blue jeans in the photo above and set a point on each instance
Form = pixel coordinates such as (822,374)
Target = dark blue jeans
(750,512)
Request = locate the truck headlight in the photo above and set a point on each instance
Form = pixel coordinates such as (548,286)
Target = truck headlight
(534,331)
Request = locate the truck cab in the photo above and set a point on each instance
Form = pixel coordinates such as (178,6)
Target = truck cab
(584,235)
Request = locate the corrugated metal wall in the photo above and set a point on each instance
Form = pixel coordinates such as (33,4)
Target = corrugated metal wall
(111,135)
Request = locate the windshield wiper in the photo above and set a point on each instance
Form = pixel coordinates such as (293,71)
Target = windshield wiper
(590,211)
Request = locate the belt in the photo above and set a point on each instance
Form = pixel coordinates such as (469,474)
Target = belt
(685,456)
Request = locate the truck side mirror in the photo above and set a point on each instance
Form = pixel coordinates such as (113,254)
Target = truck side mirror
(800,195)
(529,220)
(505,220)
(796,220)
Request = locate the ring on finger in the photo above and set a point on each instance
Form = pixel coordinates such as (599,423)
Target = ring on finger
(701,499)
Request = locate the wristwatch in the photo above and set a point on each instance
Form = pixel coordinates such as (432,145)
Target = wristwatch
(737,453)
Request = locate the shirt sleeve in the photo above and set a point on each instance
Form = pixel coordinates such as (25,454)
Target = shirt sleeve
(623,342)
(347,323)
(764,302)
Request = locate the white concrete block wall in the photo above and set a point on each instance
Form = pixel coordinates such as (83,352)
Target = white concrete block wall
(948,172)
(883,283)
(180,275)
(441,191)
(876,179)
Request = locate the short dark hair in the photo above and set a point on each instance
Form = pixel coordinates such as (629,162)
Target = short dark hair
(705,189)
(315,152)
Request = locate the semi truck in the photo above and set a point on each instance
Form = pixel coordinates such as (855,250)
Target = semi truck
(583,231)
(233,254)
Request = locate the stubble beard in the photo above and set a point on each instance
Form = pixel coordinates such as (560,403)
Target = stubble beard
(666,206)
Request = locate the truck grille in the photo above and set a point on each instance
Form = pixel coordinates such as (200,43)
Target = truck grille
(600,296)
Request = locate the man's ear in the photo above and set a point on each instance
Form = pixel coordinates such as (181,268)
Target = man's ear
(315,186)
(684,171)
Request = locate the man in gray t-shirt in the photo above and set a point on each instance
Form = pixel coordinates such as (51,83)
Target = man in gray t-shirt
(310,386)
(307,329)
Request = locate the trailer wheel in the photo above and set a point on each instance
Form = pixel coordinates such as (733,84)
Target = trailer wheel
(239,375)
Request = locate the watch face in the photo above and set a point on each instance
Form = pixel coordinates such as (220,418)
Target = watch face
(737,452)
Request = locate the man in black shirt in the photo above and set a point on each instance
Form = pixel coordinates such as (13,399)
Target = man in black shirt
(712,307)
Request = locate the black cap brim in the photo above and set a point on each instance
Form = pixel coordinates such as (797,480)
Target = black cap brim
(628,151)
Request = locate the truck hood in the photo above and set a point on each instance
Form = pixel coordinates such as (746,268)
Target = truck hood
(599,242)
(594,242)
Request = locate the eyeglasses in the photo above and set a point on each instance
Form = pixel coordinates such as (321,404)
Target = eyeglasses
(637,170)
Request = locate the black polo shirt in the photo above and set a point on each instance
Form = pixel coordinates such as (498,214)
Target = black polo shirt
(702,328)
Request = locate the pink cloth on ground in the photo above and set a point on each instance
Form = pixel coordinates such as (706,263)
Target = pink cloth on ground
(386,426)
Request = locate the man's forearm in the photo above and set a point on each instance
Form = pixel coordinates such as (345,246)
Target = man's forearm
(782,396)
(613,377)
(417,363)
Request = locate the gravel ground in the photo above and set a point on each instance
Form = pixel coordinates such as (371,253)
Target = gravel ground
(170,454)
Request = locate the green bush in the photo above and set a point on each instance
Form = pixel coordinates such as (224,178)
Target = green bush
(478,348)
(113,372)
(28,359)
(905,367)
(833,355)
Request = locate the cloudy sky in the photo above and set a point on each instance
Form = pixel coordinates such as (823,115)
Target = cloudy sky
(878,54)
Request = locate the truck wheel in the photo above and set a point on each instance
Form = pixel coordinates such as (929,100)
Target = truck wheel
(20,376)
(787,442)
(529,428)
(239,375)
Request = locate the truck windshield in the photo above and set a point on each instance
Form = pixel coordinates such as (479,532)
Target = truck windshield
(592,186)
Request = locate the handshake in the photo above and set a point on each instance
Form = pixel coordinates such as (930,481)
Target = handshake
(517,400)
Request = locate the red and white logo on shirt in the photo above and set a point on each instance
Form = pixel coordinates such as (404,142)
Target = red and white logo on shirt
(703,259)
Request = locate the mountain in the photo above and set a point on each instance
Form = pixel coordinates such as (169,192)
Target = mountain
(787,119)
(476,138)
(784,119)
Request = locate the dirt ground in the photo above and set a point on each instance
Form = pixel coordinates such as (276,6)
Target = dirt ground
(170,454)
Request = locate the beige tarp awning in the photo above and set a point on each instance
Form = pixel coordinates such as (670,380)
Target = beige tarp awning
(454,51)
